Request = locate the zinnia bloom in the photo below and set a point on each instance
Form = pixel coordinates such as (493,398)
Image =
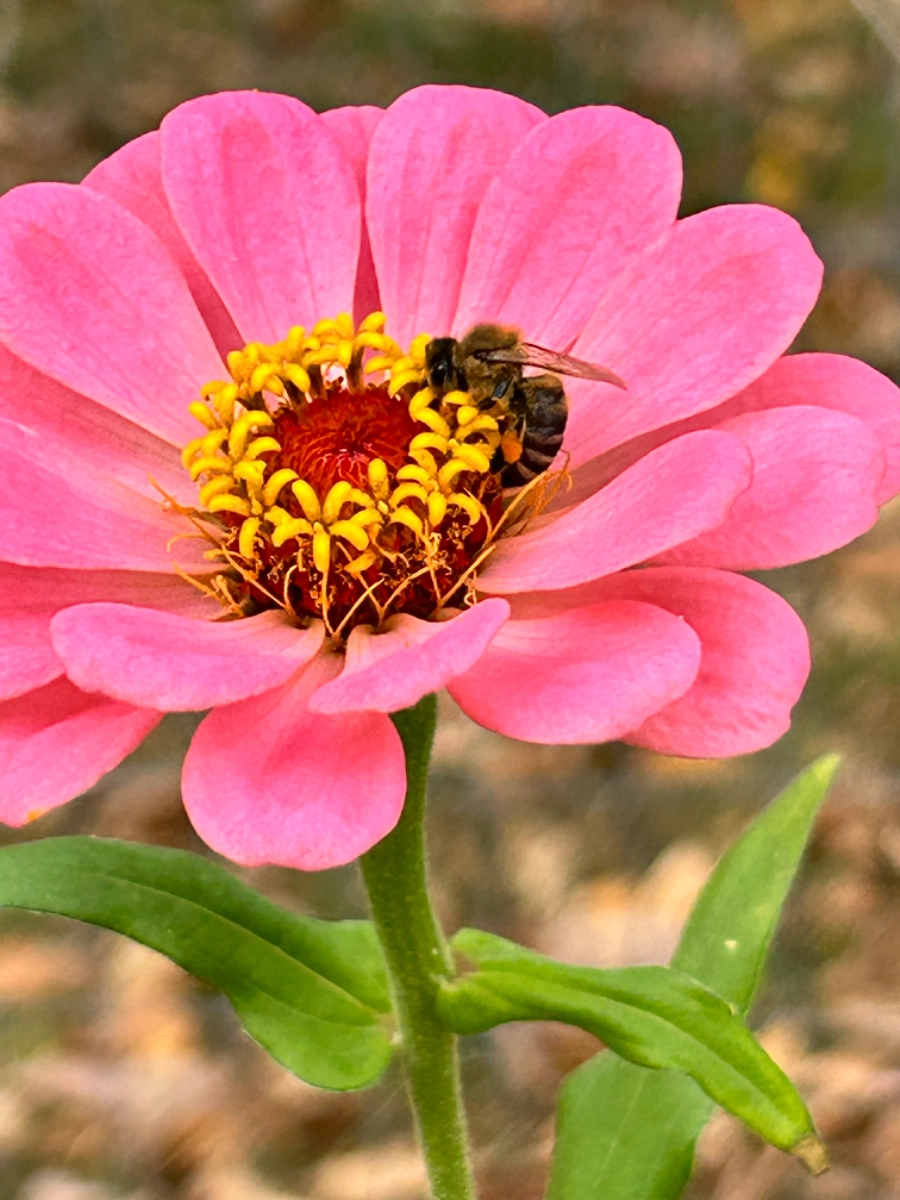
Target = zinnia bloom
(228,485)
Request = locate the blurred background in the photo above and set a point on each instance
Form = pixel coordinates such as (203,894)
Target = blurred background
(122,1079)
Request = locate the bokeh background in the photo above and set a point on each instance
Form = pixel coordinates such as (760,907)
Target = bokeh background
(122,1079)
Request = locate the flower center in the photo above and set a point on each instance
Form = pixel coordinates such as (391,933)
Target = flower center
(335,483)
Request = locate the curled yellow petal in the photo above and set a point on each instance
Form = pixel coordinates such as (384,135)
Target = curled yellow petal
(418,346)
(224,402)
(307,499)
(199,411)
(363,499)
(247,537)
(215,487)
(294,341)
(437,509)
(251,473)
(338,495)
(422,399)
(261,376)
(366,517)
(235,504)
(406,516)
(374,321)
(400,379)
(328,325)
(415,473)
(378,474)
(408,491)
(358,565)
(191,450)
(320,358)
(261,445)
(450,470)
(298,376)
(426,460)
(470,506)
(474,457)
(209,466)
(351,532)
(210,389)
(214,440)
(237,437)
(480,424)
(370,340)
(321,551)
(290,529)
(379,362)
(429,441)
(273,486)
(433,420)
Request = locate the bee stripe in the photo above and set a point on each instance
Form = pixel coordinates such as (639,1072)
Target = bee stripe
(536,458)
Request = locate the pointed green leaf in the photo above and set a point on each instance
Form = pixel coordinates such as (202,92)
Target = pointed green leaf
(655,1016)
(313,993)
(625,1133)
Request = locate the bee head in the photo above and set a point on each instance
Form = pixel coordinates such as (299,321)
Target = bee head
(442,366)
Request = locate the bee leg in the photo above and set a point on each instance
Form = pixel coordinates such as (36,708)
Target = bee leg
(510,449)
(500,392)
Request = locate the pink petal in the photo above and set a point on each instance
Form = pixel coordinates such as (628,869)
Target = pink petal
(431,160)
(98,443)
(267,202)
(267,781)
(28,660)
(829,381)
(56,742)
(353,127)
(78,277)
(47,590)
(54,515)
(177,664)
(578,197)
(754,661)
(586,675)
(815,475)
(132,177)
(30,596)
(691,321)
(384,672)
(672,495)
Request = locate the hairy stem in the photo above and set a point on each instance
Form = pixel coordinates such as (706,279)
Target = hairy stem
(418,961)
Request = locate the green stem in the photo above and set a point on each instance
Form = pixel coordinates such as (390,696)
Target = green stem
(418,961)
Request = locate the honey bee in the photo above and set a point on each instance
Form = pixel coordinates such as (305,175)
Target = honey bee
(488,363)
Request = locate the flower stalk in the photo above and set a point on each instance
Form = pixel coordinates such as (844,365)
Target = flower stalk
(418,960)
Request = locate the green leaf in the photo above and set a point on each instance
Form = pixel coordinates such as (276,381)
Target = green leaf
(313,993)
(655,1016)
(626,1133)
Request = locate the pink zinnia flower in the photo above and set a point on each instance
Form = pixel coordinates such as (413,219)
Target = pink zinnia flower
(337,544)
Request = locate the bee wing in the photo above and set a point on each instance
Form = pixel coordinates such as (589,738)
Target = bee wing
(528,355)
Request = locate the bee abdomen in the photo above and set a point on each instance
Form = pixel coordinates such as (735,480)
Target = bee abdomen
(536,458)
(515,474)
(549,442)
